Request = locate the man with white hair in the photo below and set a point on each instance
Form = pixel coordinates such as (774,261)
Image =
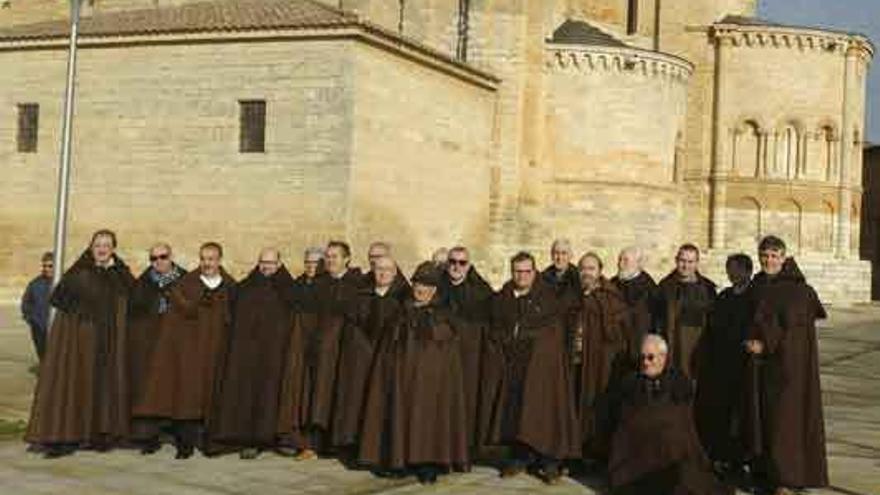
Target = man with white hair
(639,291)
(561,275)
(654,446)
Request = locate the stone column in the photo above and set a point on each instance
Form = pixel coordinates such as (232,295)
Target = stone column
(719,171)
(844,201)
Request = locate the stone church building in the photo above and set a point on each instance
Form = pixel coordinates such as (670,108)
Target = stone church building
(499,124)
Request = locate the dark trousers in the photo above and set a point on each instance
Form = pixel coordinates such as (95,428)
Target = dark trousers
(523,456)
(38,336)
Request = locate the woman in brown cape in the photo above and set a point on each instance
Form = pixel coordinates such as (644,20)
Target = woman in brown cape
(150,320)
(82,398)
(415,411)
(184,361)
(783,336)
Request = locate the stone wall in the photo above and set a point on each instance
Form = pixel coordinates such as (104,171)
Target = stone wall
(156,150)
(422,150)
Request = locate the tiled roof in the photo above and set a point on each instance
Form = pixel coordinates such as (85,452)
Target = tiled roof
(582,33)
(206,16)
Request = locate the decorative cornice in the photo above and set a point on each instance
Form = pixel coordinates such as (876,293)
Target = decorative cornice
(832,42)
(588,58)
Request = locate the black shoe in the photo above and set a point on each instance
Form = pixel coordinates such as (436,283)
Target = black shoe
(551,474)
(250,453)
(427,476)
(58,452)
(151,448)
(184,452)
(284,451)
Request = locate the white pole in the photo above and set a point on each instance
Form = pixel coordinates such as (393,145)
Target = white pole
(61,205)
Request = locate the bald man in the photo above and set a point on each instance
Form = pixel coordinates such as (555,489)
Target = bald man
(256,364)
(562,275)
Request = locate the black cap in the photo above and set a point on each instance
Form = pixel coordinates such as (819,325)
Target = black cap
(427,273)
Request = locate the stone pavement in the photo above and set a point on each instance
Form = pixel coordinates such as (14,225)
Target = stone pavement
(850,348)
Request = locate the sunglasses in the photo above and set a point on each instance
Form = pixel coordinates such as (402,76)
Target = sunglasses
(159,257)
(649,357)
(458,262)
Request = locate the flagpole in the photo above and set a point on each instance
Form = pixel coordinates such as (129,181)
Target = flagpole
(61,205)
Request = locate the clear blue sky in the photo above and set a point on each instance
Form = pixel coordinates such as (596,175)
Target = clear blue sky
(862,16)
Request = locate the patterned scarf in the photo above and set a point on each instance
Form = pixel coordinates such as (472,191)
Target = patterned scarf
(163,280)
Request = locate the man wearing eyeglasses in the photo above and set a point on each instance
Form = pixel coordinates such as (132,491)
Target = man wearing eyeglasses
(654,447)
(150,318)
(35,304)
(466,293)
(526,381)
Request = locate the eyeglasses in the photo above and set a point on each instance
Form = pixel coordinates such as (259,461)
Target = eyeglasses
(649,357)
(459,262)
(158,257)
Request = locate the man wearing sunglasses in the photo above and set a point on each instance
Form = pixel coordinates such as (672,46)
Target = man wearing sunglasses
(654,446)
(35,304)
(466,293)
(150,319)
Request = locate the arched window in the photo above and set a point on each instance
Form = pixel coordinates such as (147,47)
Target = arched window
(747,150)
(632,16)
(826,152)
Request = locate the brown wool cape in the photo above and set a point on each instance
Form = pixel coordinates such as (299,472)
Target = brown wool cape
(792,423)
(684,311)
(468,302)
(526,394)
(601,318)
(250,391)
(719,405)
(654,446)
(311,383)
(82,394)
(641,295)
(182,368)
(357,349)
(415,408)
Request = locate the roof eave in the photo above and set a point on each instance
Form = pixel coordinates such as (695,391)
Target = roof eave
(356,30)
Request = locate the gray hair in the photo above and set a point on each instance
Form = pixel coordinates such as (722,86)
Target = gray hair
(636,251)
(561,245)
(380,244)
(314,252)
(659,341)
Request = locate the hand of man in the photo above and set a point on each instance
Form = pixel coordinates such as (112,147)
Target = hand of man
(755,346)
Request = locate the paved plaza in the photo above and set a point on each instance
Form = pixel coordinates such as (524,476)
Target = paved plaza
(850,348)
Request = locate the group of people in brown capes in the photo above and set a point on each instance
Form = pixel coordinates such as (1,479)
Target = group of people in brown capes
(670,388)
